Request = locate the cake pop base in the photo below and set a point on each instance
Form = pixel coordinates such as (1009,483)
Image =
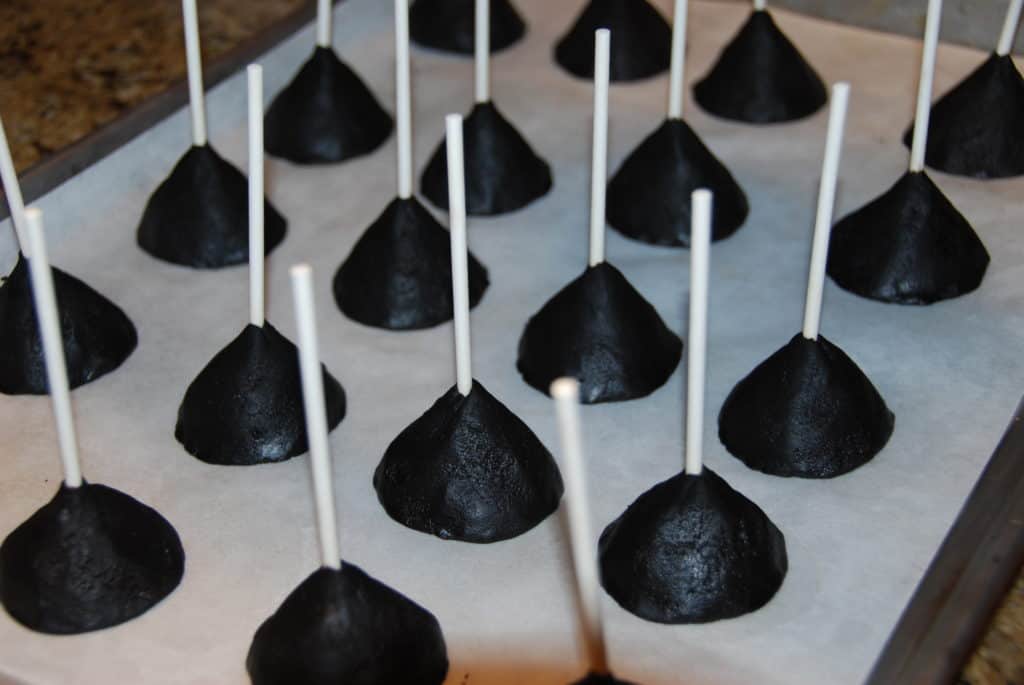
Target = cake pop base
(468,469)
(761,78)
(342,626)
(97,335)
(649,196)
(908,246)
(977,129)
(641,44)
(602,332)
(449,25)
(91,558)
(692,550)
(325,115)
(199,216)
(246,407)
(503,173)
(399,274)
(807,411)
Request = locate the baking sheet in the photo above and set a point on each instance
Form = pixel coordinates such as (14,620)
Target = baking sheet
(858,545)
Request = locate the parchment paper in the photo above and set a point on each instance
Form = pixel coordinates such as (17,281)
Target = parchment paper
(858,545)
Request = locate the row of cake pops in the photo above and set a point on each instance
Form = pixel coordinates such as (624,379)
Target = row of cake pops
(340,621)
(198,216)
(598,329)
(761,77)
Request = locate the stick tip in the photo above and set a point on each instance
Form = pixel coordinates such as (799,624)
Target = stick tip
(302,270)
(565,388)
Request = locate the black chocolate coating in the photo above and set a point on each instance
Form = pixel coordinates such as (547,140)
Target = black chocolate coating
(806,411)
(449,25)
(602,332)
(199,215)
(761,78)
(91,558)
(641,44)
(326,114)
(692,550)
(908,246)
(605,679)
(97,335)
(246,406)
(342,626)
(503,173)
(649,196)
(399,274)
(468,469)
(977,128)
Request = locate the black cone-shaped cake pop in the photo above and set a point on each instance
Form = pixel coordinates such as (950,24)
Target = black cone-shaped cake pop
(245,406)
(691,549)
(97,335)
(977,128)
(808,410)
(340,625)
(642,46)
(326,114)
(503,172)
(468,469)
(910,245)
(448,25)
(92,557)
(599,329)
(566,392)
(649,196)
(761,78)
(399,274)
(197,216)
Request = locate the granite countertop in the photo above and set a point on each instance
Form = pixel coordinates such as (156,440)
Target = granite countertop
(68,67)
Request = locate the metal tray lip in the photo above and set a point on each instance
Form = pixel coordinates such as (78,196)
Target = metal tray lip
(968,577)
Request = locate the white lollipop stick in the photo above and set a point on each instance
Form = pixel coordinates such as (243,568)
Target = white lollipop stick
(316,415)
(826,203)
(482,49)
(599,159)
(197,101)
(12,190)
(403,99)
(460,258)
(1009,28)
(675,83)
(53,347)
(700,256)
(566,392)
(759,5)
(924,92)
(323,23)
(256,256)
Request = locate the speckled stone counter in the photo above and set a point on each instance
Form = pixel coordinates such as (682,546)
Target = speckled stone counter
(68,67)
(999,659)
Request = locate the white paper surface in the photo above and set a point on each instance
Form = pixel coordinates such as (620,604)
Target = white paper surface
(858,545)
